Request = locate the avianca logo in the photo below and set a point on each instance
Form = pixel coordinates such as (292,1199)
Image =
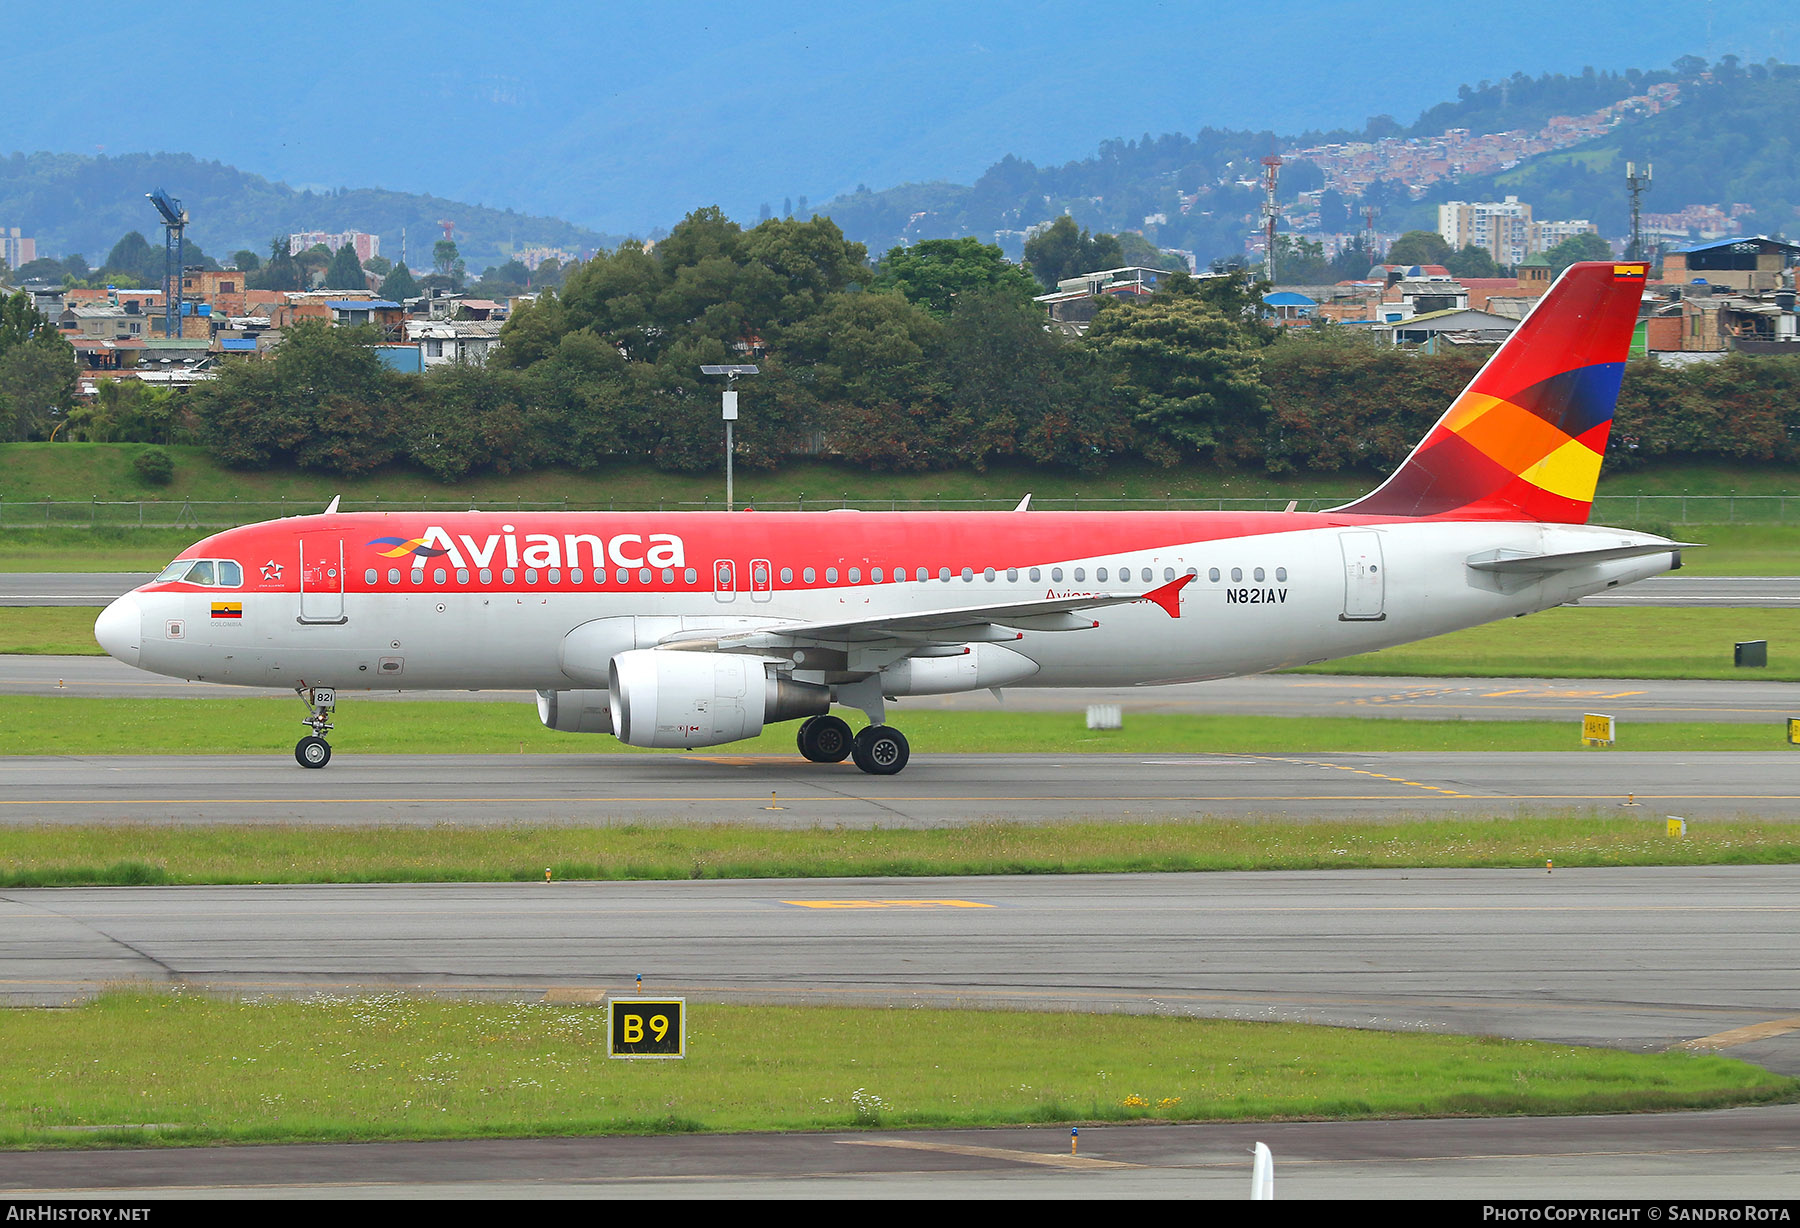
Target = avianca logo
(507,549)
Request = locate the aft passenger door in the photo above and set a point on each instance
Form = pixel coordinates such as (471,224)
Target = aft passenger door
(322,580)
(1365,582)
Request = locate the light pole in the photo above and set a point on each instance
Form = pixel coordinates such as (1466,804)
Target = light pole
(728,411)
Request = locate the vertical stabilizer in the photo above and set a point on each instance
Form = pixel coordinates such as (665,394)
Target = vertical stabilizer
(1525,438)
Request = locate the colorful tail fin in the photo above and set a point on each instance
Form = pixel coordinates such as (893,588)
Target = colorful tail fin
(1525,438)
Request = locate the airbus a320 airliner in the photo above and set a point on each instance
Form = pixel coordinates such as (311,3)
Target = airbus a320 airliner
(698,628)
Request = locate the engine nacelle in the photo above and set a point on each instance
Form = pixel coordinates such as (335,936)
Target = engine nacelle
(688,699)
(576,711)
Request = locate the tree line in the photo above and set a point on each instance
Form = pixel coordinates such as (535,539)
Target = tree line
(934,357)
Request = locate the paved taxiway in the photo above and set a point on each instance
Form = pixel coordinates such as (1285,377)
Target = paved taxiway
(1540,699)
(1635,958)
(1740,1154)
(934,790)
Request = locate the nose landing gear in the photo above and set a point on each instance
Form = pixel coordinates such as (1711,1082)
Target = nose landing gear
(314,751)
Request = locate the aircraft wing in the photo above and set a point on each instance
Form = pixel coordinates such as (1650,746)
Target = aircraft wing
(957,625)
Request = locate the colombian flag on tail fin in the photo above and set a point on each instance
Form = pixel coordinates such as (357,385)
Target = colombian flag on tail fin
(1525,438)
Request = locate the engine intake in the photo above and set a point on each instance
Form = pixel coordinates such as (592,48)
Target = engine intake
(687,699)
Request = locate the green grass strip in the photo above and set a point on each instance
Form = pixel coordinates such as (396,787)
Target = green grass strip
(136,1067)
(77,725)
(132,854)
(47,630)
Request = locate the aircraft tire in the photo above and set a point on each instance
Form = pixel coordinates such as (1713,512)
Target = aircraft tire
(825,739)
(880,750)
(312,752)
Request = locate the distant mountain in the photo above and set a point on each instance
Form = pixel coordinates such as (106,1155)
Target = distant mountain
(80,204)
(1727,141)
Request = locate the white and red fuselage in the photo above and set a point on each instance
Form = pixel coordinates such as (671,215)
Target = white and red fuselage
(694,629)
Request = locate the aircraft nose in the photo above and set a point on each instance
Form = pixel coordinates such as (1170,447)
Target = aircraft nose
(120,629)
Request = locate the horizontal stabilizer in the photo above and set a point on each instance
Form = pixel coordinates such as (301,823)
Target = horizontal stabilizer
(1516,562)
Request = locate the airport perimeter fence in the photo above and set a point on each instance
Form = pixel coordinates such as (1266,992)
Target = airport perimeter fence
(1624,510)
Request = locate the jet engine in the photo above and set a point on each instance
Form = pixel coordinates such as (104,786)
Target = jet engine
(666,698)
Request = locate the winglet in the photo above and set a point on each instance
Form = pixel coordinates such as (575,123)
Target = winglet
(1024,504)
(332,506)
(1169,595)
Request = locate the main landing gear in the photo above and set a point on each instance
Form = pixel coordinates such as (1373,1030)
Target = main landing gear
(314,751)
(879,750)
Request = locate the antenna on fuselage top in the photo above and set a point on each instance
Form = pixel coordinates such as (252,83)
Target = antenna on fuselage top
(332,506)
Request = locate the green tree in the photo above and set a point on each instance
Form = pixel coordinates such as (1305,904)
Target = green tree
(936,272)
(1575,248)
(1473,261)
(1192,373)
(399,285)
(133,256)
(246,260)
(281,273)
(321,401)
(1067,250)
(1419,247)
(345,271)
(38,371)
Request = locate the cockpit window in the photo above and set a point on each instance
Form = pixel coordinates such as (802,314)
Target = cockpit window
(214,573)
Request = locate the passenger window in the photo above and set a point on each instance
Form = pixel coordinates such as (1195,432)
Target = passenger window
(944,574)
(875,575)
(1099,575)
(1281,574)
(393,575)
(1237,575)
(1036,575)
(690,575)
(622,576)
(438,576)
(369,576)
(923,574)
(1056,575)
(1258,573)
(1168,574)
(1147,575)
(668,575)
(1012,574)
(1080,574)
(831,575)
(506,575)
(1212,573)
(787,575)
(462,575)
(759,575)
(856,575)
(487,575)
(809,575)
(987,574)
(577,575)
(968,575)
(644,575)
(553,576)
(530,575)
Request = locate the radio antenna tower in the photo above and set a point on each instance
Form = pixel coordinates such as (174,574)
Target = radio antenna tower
(1637,185)
(1271,213)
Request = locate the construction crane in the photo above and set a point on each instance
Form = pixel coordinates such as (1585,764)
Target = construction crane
(1271,212)
(175,220)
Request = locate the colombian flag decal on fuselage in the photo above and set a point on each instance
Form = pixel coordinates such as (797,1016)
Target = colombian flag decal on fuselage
(227,609)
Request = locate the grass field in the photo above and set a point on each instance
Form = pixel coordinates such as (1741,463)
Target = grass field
(391,1067)
(78,725)
(142,854)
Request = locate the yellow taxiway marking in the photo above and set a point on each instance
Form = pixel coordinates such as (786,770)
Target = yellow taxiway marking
(1743,1035)
(885,904)
(989,798)
(1049,1159)
(1344,767)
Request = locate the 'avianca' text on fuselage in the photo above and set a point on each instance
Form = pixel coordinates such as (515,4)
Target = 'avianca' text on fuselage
(541,549)
(697,629)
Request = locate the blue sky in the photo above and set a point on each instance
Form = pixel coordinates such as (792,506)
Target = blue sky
(623,117)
